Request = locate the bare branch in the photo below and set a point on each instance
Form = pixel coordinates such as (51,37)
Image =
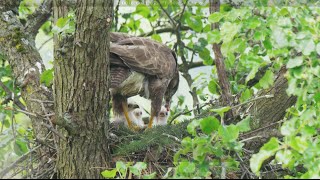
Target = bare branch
(44,43)
(219,61)
(14,164)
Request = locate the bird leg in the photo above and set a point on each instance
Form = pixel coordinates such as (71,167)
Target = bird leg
(151,121)
(126,115)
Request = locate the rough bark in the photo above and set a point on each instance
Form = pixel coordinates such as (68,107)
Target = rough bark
(267,112)
(224,83)
(19,48)
(81,88)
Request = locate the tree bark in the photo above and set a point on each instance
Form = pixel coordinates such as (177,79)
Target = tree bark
(224,84)
(266,113)
(81,88)
(19,48)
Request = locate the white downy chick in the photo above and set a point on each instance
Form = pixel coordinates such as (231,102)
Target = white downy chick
(163,117)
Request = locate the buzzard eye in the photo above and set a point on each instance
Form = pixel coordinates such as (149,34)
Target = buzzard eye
(166,113)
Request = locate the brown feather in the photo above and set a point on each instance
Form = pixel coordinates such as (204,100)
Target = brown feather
(141,66)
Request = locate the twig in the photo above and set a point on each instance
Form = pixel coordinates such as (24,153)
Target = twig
(250,138)
(41,101)
(45,125)
(42,14)
(14,164)
(188,111)
(254,99)
(53,130)
(44,43)
(172,21)
(22,111)
(259,129)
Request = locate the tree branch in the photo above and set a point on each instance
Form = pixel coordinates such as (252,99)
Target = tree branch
(41,15)
(14,164)
(221,70)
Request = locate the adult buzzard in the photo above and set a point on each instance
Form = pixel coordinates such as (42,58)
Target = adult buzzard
(141,66)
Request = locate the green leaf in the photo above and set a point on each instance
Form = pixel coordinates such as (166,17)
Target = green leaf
(245,95)
(308,47)
(221,110)
(229,30)
(253,23)
(268,150)
(186,142)
(137,168)
(186,168)
(267,44)
(47,77)
(279,37)
(20,147)
(191,128)
(61,22)
(195,22)
(150,176)
(215,17)
(157,37)
(295,62)
(244,125)
(272,145)
(288,128)
(267,80)
(229,133)
(121,167)
(285,157)
(212,86)
(109,174)
(209,124)
(214,36)
(252,73)
(143,10)
(205,55)
(299,144)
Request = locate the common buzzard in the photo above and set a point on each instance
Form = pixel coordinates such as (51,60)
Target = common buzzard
(141,66)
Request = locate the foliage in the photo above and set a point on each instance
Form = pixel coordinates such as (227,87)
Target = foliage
(125,169)
(255,36)
(212,150)
(293,34)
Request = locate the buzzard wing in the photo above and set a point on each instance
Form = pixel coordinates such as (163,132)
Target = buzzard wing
(145,56)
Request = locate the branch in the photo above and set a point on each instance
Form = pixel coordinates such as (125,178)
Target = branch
(221,69)
(191,65)
(163,9)
(44,43)
(14,164)
(41,15)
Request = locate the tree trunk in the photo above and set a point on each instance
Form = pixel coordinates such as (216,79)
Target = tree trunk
(81,89)
(18,46)
(267,112)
